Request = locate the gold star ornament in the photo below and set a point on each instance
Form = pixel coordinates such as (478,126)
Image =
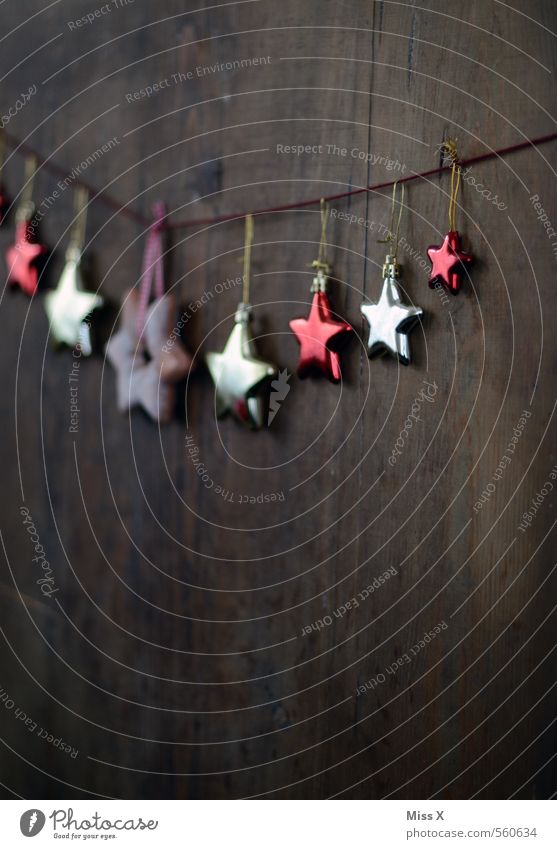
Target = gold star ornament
(241,379)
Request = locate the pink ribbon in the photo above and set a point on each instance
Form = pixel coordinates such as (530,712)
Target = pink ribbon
(152,266)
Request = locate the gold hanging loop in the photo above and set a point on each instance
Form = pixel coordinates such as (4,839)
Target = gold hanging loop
(392,234)
(450,150)
(321,264)
(321,257)
(247,258)
(26,206)
(401,207)
(81,202)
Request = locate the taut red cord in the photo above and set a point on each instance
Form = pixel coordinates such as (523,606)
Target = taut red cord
(122,209)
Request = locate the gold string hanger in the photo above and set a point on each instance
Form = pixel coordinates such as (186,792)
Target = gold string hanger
(81,202)
(321,263)
(450,150)
(26,206)
(248,243)
(392,234)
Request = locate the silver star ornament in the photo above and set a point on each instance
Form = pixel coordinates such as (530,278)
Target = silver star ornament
(390,320)
(69,304)
(241,378)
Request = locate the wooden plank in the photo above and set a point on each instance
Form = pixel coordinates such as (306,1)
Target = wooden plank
(173,654)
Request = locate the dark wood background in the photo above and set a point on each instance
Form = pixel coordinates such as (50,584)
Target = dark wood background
(172,657)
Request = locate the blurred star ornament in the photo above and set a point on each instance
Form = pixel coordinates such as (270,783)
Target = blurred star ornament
(242,379)
(320,333)
(390,320)
(448,261)
(148,360)
(147,366)
(25,258)
(69,306)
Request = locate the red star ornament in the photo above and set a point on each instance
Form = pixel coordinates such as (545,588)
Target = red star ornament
(24,258)
(316,334)
(447,262)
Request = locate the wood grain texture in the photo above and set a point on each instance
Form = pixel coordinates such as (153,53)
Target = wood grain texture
(173,656)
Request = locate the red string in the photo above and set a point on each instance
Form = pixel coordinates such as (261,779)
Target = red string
(94,193)
(124,209)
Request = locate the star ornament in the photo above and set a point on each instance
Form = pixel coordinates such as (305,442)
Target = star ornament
(25,257)
(390,320)
(68,306)
(241,379)
(148,367)
(448,263)
(320,334)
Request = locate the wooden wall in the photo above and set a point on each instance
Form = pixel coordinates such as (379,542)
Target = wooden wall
(172,657)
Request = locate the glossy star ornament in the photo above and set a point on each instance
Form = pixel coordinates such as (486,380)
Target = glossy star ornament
(25,258)
(148,366)
(320,334)
(69,306)
(241,379)
(448,263)
(390,320)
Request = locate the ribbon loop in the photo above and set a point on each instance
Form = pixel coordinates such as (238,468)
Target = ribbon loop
(152,270)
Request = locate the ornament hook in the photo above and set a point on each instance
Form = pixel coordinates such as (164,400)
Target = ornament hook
(81,202)
(320,264)
(248,244)
(321,261)
(392,234)
(26,207)
(450,151)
